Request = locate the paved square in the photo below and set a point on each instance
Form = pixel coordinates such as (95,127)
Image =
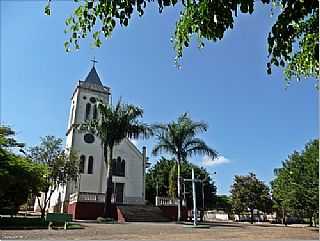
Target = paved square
(168,231)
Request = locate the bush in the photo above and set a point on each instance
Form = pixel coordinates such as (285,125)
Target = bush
(22,222)
(9,210)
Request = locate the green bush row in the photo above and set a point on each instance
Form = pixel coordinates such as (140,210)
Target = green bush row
(22,222)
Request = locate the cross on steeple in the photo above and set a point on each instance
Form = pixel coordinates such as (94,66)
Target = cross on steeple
(94,61)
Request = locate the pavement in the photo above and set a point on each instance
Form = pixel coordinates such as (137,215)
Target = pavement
(167,231)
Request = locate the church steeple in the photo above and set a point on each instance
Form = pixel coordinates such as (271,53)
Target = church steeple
(93,77)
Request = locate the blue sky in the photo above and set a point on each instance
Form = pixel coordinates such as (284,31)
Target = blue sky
(254,122)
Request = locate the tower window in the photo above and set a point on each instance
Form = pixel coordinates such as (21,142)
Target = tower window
(81,164)
(88,138)
(90,165)
(93,100)
(95,113)
(88,108)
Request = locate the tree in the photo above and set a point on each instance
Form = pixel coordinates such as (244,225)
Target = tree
(7,139)
(295,187)
(61,167)
(223,202)
(19,176)
(158,182)
(297,24)
(172,182)
(249,193)
(178,138)
(114,125)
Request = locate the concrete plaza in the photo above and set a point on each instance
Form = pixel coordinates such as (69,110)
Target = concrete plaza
(168,231)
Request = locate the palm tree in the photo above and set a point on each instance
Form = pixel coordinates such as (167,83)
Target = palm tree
(178,138)
(115,123)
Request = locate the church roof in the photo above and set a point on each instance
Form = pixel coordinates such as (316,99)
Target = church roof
(93,77)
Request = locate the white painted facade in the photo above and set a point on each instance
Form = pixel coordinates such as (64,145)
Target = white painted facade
(95,182)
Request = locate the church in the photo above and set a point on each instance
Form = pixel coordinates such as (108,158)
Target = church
(85,198)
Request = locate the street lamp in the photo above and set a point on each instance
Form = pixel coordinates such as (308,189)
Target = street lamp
(202,186)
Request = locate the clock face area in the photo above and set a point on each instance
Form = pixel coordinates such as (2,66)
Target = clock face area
(88,138)
(93,100)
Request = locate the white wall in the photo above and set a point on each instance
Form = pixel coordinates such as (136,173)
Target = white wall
(96,182)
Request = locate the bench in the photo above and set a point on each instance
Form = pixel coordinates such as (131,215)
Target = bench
(60,218)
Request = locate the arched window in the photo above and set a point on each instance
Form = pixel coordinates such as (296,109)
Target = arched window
(81,164)
(90,165)
(95,112)
(123,168)
(114,166)
(118,167)
(88,108)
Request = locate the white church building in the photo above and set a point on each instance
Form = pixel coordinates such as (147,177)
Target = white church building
(84,199)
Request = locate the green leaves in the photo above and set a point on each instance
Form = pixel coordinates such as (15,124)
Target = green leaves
(51,153)
(179,138)
(250,193)
(297,23)
(47,9)
(19,176)
(295,187)
(161,178)
(117,123)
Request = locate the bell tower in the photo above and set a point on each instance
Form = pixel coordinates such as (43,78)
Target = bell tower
(87,146)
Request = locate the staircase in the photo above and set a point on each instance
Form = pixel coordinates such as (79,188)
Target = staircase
(142,213)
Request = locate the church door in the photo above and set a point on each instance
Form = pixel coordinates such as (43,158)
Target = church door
(119,192)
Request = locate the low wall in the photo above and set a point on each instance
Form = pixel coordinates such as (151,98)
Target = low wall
(214,216)
(171,212)
(91,211)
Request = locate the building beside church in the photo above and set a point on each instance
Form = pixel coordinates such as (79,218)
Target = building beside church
(85,198)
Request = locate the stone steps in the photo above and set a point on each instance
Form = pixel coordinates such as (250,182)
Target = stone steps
(142,213)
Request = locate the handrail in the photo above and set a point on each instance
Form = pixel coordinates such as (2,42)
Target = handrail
(167,201)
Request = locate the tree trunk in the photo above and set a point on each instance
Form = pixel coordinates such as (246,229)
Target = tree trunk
(42,210)
(179,193)
(310,221)
(107,201)
(251,213)
(315,219)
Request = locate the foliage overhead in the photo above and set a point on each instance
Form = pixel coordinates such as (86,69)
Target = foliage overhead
(295,188)
(292,42)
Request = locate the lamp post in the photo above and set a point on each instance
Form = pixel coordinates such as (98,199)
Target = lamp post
(194,199)
(202,186)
